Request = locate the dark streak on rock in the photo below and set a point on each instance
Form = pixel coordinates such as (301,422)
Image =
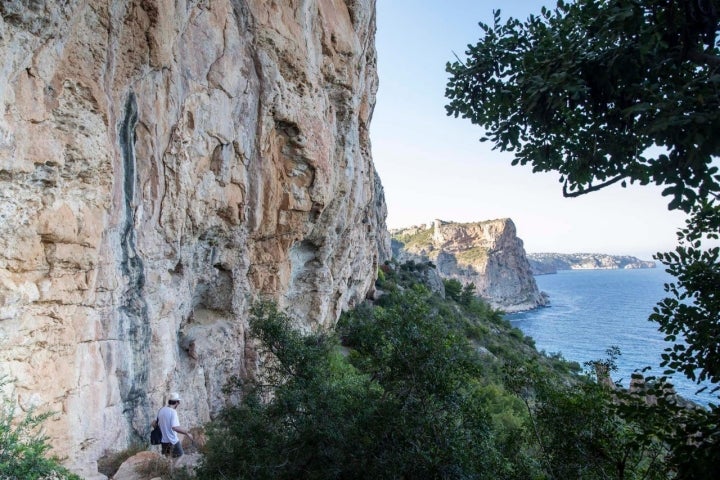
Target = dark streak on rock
(134,328)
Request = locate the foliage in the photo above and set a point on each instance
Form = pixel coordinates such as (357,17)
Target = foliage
(426,370)
(422,387)
(618,91)
(472,256)
(23,447)
(579,432)
(314,423)
(423,237)
(404,406)
(397,276)
(689,431)
(453,288)
(692,315)
(693,312)
(587,88)
(468,294)
(380,275)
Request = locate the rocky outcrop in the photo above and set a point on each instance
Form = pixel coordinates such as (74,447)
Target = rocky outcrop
(151,465)
(162,164)
(488,254)
(546,263)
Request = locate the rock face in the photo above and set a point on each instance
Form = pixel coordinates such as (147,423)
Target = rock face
(162,164)
(488,254)
(545,263)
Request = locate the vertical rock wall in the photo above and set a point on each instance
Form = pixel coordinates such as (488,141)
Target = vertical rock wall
(162,164)
(488,254)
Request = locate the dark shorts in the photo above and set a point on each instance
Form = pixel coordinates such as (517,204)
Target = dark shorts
(168,449)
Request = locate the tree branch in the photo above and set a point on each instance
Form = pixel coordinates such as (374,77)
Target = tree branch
(590,188)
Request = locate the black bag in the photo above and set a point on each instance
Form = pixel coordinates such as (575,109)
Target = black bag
(156,434)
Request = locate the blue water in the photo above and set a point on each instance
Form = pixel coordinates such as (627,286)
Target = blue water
(592,310)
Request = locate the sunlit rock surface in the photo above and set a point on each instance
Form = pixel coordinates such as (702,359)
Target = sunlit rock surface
(162,164)
(488,254)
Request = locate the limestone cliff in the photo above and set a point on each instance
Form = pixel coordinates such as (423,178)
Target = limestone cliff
(545,263)
(488,254)
(162,164)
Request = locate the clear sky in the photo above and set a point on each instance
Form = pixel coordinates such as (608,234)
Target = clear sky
(434,166)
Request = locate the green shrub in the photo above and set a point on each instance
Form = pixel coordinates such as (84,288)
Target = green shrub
(579,431)
(380,275)
(24,448)
(401,405)
(405,388)
(472,256)
(423,238)
(453,288)
(317,420)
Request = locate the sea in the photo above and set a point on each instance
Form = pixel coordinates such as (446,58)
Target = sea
(593,310)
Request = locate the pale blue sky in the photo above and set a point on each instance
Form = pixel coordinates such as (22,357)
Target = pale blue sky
(433,166)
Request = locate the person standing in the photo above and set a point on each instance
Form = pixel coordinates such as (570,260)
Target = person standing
(169,423)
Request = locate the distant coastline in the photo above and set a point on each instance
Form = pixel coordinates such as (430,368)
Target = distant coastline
(549,263)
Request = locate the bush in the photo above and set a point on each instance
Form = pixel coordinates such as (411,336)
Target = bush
(578,428)
(23,447)
(380,276)
(453,288)
(405,405)
(422,388)
(314,425)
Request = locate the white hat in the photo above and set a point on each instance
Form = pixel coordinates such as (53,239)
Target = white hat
(174,397)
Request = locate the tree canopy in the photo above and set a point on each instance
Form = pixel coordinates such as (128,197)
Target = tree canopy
(588,88)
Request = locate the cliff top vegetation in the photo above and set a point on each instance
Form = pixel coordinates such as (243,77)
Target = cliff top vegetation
(415,238)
